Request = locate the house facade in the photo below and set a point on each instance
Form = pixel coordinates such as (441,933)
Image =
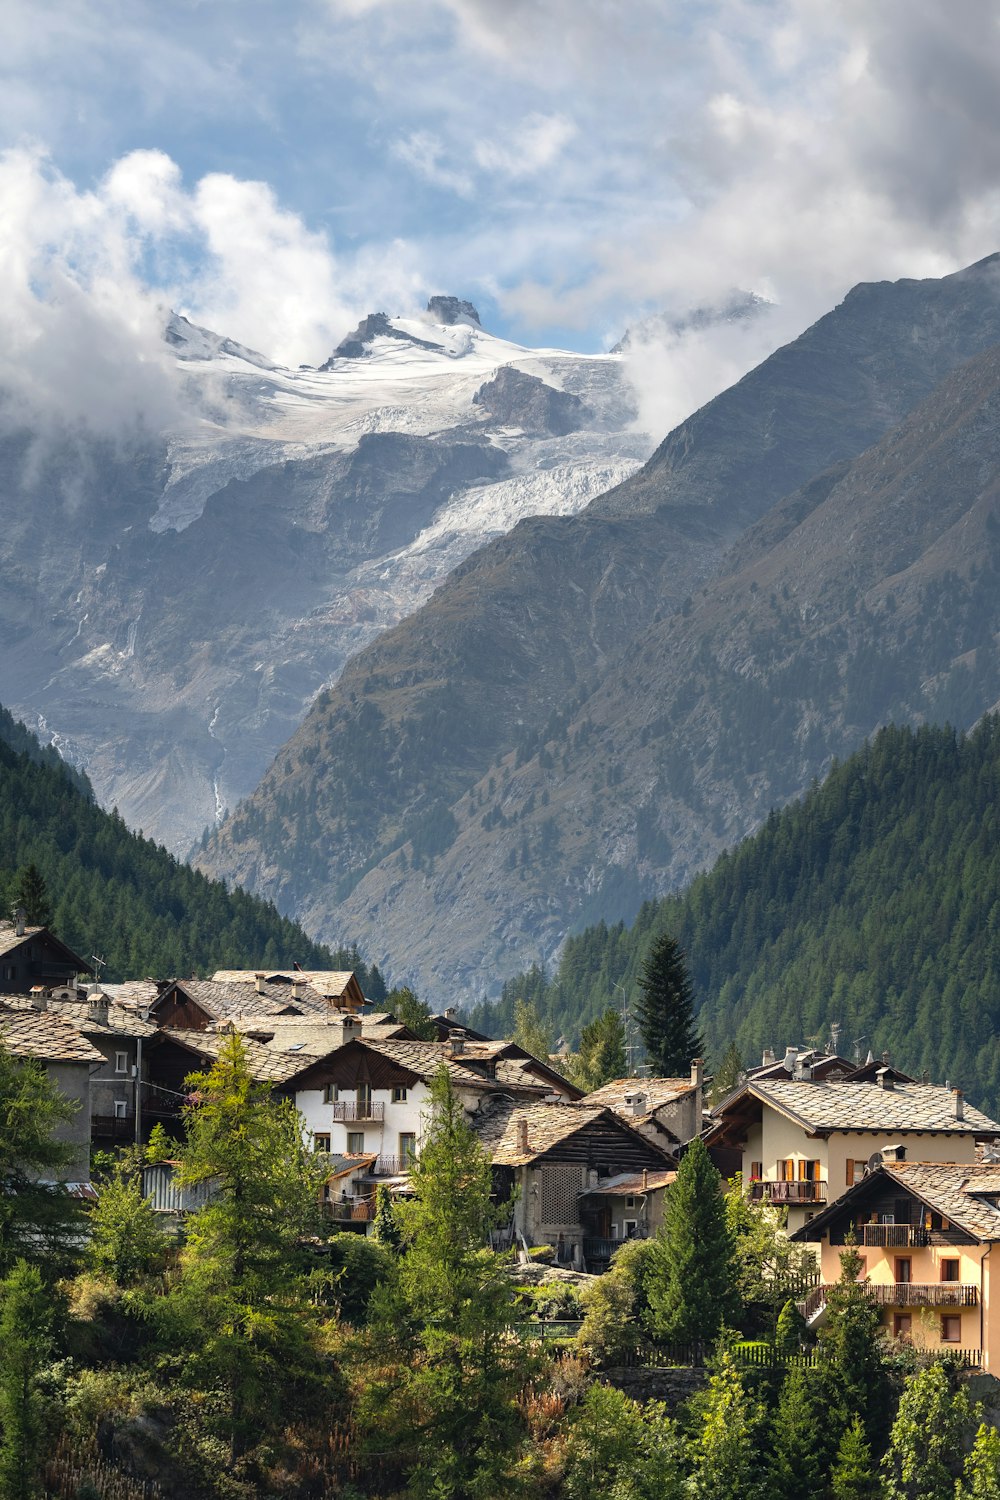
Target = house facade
(924,1233)
(803,1143)
(33,956)
(668,1111)
(68,1059)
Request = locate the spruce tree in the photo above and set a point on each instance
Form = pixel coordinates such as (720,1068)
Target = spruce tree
(665,1011)
(601,1055)
(853,1476)
(690,1280)
(25,1337)
(929,1436)
(805,1435)
(32,895)
(851,1343)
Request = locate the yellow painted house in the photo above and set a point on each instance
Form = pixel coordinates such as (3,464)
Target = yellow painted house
(926,1233)
(804,1143)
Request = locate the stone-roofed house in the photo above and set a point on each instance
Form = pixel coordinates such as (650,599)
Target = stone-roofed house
(32,956)
(925,1232)
(337,988)
(557,1155)
(804,1143)
(201,1003)
(68,1058)
(667,1110)
(119,1034)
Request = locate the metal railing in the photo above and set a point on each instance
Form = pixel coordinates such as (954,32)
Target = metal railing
(391,1166)
(353,1209)
(894,1236)
(113,1127)
(787,1192)
(350,1109)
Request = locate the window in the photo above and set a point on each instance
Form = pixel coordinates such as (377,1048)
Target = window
(331,1093)
(808,1171)
(904,1269)
(756,1171)
(630,1201)
(121,1109)
(901,1325)
(121,1062)
(407,1146)
(786,1170)
(934,1221)
(364,1101)
(321,1141)
(355,1142)
(949,1270)
(629,1228)
(399,1096)
(951,1328)
(855,1171)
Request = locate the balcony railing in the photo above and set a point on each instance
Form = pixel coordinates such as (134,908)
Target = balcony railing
(352,1209)
(391,1166)
(923,1294)
(787,1192)
(348,1109)
(112,1127)
(894,1236)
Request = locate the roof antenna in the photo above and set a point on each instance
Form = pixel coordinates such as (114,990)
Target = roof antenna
(99,962)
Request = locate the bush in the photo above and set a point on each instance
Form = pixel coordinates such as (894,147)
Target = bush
(542,1255)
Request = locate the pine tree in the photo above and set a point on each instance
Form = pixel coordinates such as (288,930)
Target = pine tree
(32,895)
(530,1031)
(411,1012)
(25,1338)
(729,1450)
(665,1011)
(729,1075)
(805,1434)
(851,1343)
(690,1280)
(601,1055)
(853,1475)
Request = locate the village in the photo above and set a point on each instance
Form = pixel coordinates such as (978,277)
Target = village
(849,1153)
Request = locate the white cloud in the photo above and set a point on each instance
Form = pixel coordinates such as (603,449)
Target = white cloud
(427,155)
(531,147)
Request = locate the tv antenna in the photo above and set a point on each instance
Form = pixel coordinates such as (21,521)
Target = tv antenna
(99,962)
(627,1030)
(856,1044)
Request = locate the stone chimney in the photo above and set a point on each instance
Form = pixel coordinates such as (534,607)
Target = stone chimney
(522,1138)
(457,1045)
(299,983)
(885,1059)
(258,980)
(645,1178)
(959,1099)
(97,1005)
(767,1060)
(884,1079)
(350,1029)
(450,1013)
(791,1058)
(20,917)
(39,999)
(697,1070)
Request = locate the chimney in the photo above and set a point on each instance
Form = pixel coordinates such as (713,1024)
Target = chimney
(791,1058)
(959,1104)
(97,1005)
(522,1138)
(645,1178)
(637,1104)
(259,978)
(835,1037)
(39,999)
(299,983)
(350,1029)
(450,1013)
(457,1044)
(20,917)
(697,1068)
(884,1079)
(885,1059)
(767,1060)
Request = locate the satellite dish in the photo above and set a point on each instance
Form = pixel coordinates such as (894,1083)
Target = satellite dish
(874,1161)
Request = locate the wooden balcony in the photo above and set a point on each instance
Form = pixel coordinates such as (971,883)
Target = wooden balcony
(349,1109)
(894,1236)
(923,1294)
(352,1209)
(112,1127)
(787,1192)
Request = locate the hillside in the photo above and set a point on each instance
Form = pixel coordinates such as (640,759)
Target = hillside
(873,902)
(580,716)
(118,894)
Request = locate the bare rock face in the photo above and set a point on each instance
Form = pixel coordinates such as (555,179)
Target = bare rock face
(514,399)
(449,310)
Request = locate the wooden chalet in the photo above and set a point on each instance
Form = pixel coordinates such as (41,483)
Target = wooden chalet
(33,956)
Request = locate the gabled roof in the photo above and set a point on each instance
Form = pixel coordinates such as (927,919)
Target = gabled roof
(498,1125)
(425,1059)
(314,1035)
(10,939)
(964,1193)
(824,1107)
(330,985)
(630,1183)
(657,1091)
(265,1065)
(220,1001)
(27,1032)
(120,1022)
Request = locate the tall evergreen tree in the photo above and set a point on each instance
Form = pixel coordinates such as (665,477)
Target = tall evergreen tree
(38,1219)
(851,1344)
(665,1011)
(805,1435)
(25,1338)
(601,1055)
(411,1012)
(690,1276)
(31,894)
(853,1476)
(929,1437)
(729,1451)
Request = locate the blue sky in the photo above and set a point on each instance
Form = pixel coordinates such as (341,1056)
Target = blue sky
(278,169)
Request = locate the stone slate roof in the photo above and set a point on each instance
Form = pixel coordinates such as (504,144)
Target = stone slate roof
(133,993)
(632,1182)
(425,1059)
(315,1036)
(26,1032)
(222,1001)
(908,1107)
(328,984)
(497,1123)
(11,939)
(120,1022)
(266,1065)
(658,1091)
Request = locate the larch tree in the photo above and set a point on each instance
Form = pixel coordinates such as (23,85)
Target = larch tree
(665,1011)
(690,1275)
(853,1476)
(730,1450)
(601,1054)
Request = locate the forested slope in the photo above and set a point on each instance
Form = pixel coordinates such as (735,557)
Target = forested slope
(118,894)
(874,901)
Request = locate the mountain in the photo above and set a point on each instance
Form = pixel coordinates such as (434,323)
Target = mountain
(872,904)
(173,600)
(591,707)
(120,895)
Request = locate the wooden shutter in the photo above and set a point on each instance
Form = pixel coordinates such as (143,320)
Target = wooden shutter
(850,1172)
